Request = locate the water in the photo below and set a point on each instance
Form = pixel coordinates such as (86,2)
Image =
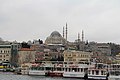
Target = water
(8,76)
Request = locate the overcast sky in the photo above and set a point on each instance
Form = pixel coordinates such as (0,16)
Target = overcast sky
(24,20)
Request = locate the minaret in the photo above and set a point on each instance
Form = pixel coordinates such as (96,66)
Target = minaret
(63,32)
(82,36)
(66,32)
(78,37)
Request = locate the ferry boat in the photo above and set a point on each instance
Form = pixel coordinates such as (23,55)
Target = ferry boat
(75,70)
(56,71)
(37,70)
(98,72)
(114,72)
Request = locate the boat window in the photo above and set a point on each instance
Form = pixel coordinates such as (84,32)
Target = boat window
(62,69)
(48,68)
(75,69)
(85,69)
(81,69)
(33,68)
(58,69)
(89,72)
(69,69)
(66,69)
(102,73)
(97,72)
(92,71)
(78,69)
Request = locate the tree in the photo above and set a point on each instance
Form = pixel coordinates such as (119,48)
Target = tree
(40,41)
(115,48)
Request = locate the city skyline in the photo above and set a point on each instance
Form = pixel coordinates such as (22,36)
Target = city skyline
(26,20)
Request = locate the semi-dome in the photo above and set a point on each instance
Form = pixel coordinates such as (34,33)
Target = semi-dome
(55,38)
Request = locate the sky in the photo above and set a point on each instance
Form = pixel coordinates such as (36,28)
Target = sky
(24,20)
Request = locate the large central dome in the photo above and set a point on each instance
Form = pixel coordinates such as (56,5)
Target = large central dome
(55,38)
(55,34)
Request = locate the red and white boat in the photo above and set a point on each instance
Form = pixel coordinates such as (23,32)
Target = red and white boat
(56,71)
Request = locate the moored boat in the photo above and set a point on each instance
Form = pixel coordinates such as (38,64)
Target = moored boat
(114,71)
(56,71)
(37,70)
(75,70)
(98,72)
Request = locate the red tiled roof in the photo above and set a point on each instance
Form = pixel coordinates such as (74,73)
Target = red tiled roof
(26,49)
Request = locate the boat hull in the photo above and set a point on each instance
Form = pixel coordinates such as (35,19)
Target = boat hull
(73,75)
(37,73)
(96,77)
(24,72)
(112,77)
(55,74)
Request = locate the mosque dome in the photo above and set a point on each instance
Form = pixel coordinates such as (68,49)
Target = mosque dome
(55,38)
(55,34)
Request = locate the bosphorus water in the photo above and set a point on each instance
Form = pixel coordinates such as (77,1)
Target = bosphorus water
(8,76)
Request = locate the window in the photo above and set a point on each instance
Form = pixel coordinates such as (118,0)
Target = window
(0,55)
(89,72)
(97,72)
(7,55)
(81,69)
(92,71)
(69,69)
(74,59)
(65,59)
(78,69)
(65,54)
(102,72)
(74,55)
(69,54)
(66,69)
(81,55)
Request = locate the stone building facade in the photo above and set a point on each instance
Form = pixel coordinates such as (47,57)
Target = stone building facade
(76,56)
(26,55)
(5,53)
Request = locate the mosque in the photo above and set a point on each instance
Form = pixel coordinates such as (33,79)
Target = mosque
(56,38)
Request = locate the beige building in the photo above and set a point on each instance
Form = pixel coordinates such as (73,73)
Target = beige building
(76,56)
(5,53)
(117,59)
(26,55)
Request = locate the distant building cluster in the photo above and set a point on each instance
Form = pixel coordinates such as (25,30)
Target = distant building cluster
(55,48)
